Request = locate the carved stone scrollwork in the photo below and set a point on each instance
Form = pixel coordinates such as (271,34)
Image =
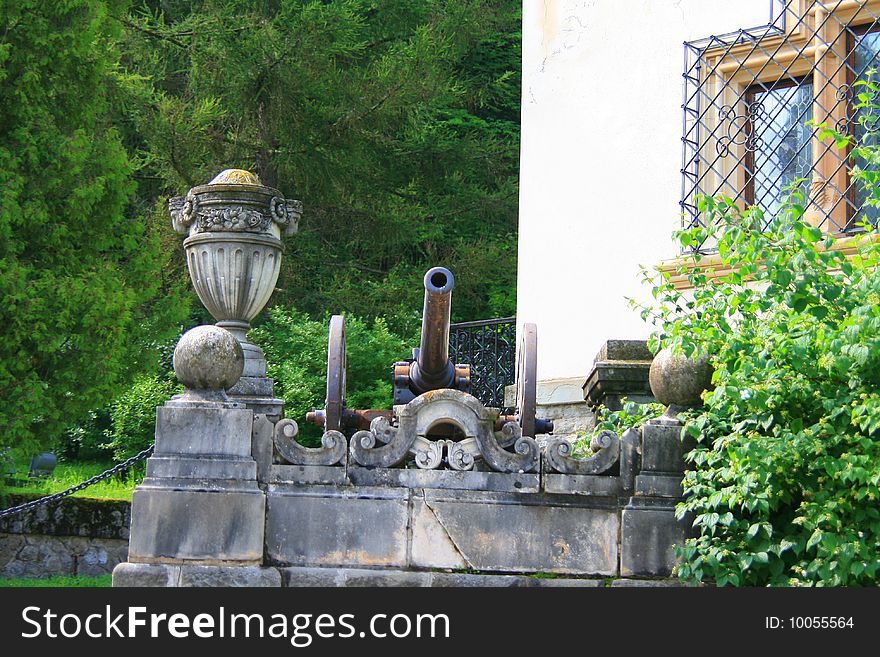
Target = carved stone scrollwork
(417,420)
(524,458)
(461,455)
(428,453)
(332,450)
(606,448)
(397,445)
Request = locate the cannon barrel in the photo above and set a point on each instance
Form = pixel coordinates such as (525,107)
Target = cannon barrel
(432,368)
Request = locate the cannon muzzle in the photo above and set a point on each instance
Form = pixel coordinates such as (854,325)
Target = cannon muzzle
(432,368)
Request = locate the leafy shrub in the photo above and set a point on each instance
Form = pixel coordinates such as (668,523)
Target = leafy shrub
(133,414)
(632,414)
(296,351)
(786,477)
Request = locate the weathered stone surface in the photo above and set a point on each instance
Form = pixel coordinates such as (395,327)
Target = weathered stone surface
(346,577)
(646,583)
(146,575)
(647,539)
(659,485)
(208,358)
(663,449)
(431,546)
(329,526)
(37,556)
(262,447)
(494,533)
(379,578)
(201,468)
(470,580)
(624,350)
(229,576)
(188,524)
(610,381)
(308,474)
(601,485)
(678,381)
(447,479)
(72,516)
(199,431)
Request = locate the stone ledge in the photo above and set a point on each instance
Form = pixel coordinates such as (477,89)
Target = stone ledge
(350,577)
(192,576)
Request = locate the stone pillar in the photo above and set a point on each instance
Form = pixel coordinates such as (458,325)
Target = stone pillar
(620,370)
(649,527)
(199,505)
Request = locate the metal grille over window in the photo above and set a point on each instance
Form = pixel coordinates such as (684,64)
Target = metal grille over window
(756,102)
(490,348)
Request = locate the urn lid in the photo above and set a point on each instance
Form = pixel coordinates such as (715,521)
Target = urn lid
(235,201)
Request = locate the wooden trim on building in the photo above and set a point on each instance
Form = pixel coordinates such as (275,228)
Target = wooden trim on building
(714,269)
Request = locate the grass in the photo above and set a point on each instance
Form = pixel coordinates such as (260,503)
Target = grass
(57,582)
(65,475)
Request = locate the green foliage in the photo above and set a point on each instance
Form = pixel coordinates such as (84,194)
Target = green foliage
(78,581)
(396,123)
(133,414)
(68,474)
(786,477)
(631,415)
(79,271)
(296,350)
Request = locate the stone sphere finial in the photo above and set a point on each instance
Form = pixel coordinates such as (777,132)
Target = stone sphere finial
(678,381)
(208,358)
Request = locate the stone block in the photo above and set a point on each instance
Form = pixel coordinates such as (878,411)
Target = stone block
(386,578)
(229,576)
(308,474)
(445,479)
(196,431)
(145,575)
(332,526)
(648,537)
(624,350)
(658,485)
(262,446)
(218,525)
(645,583)
(431,546)
(662,447)
(201,468)
(499,532)
(570,484)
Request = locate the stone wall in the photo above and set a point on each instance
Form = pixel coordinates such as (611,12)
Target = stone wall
(74,536)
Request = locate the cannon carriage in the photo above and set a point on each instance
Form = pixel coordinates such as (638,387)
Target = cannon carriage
(433,419)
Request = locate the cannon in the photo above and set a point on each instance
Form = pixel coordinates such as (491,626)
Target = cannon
(430,369)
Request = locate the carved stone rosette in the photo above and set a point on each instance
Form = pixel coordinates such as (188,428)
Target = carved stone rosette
(386,446)
(233,249)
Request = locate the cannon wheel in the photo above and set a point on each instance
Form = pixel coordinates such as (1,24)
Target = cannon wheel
(334,404)
(526,379)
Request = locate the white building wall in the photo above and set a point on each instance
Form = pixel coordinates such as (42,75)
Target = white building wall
(600,161)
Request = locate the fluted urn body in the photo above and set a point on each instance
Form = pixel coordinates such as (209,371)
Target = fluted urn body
(233,250)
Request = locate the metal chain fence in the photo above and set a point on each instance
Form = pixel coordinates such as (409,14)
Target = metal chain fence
(119,467)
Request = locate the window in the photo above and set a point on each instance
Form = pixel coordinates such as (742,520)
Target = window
(754,103)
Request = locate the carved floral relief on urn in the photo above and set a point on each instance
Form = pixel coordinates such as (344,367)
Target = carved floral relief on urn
(234,226)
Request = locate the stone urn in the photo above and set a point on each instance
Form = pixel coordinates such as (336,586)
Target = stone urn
(234,226)
(678,381)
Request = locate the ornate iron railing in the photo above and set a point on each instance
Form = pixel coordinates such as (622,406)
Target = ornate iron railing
(757,100)
(490,348)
